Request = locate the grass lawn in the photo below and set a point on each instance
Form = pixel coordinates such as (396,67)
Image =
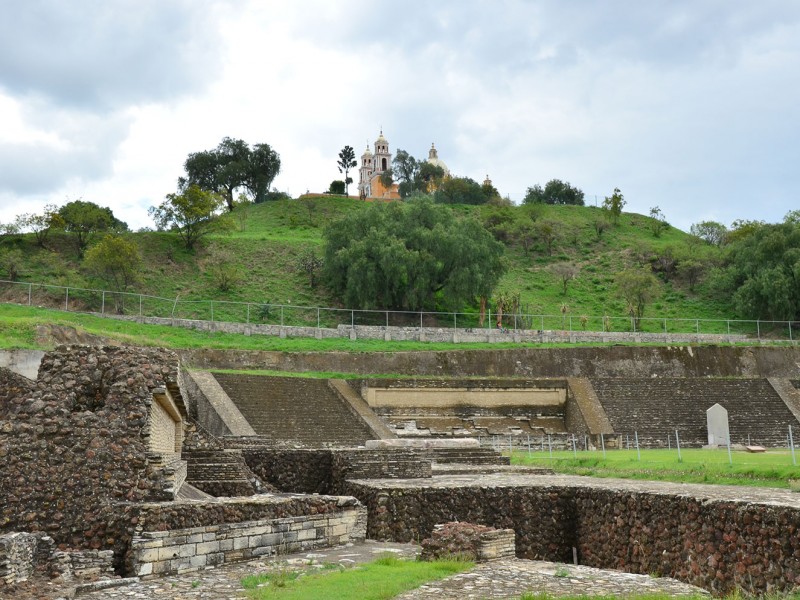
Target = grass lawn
(773,468)
(379,580)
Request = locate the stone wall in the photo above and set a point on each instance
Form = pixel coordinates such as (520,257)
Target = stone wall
(544,519)
(615,361)
(717,543)
(435,334)
(76,442)
(182,550)
(324,471)
(133,521)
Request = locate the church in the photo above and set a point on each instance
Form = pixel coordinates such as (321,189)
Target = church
(373,165)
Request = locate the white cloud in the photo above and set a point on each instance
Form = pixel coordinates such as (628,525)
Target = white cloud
(688,106)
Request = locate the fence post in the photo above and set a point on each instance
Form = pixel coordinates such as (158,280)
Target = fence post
(633,324)
(574,448)
(352,319)
(30,286)
(66,300)
(387,319)
(790,331)
(103,305)
(550,446)
(318,317)
(455,321)
(791,444)
(665,326)
(529,444)
(638,453)
(140,305)
(697,325)
(758,328)
(603,445)
(678,445)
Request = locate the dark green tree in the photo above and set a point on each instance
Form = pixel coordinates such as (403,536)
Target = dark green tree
(337,187)
(231,165)
(710,231)
(761,271)
(193,214)
(347,161)
(555,191)
(460,190)
(82,220)
(263,166)
(409,256)
(405,171)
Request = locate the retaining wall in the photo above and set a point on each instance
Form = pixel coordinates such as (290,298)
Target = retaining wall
(615,361)
(719,543)
(436,334)
(182,550)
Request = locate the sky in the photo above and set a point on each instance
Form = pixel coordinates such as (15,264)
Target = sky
(689,105)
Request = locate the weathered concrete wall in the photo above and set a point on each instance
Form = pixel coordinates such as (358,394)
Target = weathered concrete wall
(22,362)
(616,361)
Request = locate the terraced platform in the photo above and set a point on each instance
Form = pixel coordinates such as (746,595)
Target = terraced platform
(291,409)
(656,407)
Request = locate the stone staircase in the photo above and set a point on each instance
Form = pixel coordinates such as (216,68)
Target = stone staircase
(656,407)
(220,473)
(467,456)
(292,409)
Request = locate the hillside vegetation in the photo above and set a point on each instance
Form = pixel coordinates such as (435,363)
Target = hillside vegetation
(262,257)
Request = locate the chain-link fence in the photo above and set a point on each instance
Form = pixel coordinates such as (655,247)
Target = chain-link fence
(111,303)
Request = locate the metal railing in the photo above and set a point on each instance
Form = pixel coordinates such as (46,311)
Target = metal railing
(105,302)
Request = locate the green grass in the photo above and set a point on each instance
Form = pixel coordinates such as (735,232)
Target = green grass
(18,326)
(772,469)
(272,235)
(379,580)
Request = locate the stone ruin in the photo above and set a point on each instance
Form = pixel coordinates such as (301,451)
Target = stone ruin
(118,460)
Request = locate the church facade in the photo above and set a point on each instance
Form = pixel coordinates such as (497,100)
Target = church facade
(375,163)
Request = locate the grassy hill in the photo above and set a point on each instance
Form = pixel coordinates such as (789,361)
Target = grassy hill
(271,236)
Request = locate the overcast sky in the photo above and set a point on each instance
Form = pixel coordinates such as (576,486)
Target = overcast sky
(688,105)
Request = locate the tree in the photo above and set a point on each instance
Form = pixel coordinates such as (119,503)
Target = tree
(613,205)
(220,264)
(566,272)
(548,232)
(231,165)
(192,213)
(387,178)
(83,219)
(658,222)
(347,161)
(11,263)
(460,190)
(337,187)
(761,271)
(409,256)
(555,191)
(310,264)
(637,288)
(41,224)
(405,169)
(710,231)
(263,166)
(600,225)
(116,261)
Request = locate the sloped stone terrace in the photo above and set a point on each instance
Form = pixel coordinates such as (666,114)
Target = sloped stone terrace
(295,409)
(656,407)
